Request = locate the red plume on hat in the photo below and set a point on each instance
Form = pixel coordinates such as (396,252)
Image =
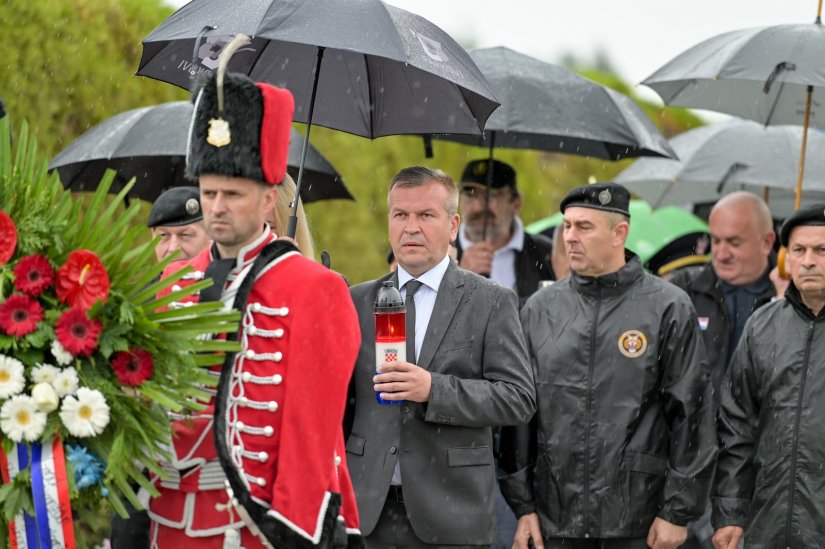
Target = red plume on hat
(239,128)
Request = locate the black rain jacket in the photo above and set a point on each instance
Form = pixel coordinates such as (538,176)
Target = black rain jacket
(624,430)
(771,471)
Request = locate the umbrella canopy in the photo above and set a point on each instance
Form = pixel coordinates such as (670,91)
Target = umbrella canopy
(547,107)
(767,74)
(650,229)
(380,70)
(149,144)
(719,159)
(761,74)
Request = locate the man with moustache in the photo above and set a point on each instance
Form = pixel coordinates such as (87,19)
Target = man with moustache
(508,255)
(769,479)
(422,466)
(623,444)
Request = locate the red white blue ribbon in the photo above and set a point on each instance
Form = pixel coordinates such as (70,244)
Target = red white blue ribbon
(51,527)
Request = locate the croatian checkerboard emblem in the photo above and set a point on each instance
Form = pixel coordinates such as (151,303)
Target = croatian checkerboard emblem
(390,355)
(632,344)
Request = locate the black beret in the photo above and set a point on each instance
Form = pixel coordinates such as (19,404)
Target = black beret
(175,207)
(809,215)
(503,174)
(610,197)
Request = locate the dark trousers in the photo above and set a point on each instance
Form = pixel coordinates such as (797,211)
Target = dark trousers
(578,543)
(394,530)
(132,532)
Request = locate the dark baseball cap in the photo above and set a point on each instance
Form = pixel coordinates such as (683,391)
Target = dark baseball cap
(476,172)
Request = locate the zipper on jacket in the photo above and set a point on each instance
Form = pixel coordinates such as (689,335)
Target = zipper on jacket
(796,432)
(587,420)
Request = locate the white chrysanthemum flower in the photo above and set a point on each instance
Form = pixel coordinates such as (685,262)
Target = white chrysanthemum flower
(87,414)
(12,376)
(20,419)
(61,355)
(44,373)
(66,382)
(45,397)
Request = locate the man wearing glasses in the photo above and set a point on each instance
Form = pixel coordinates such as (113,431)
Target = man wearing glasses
(505,254)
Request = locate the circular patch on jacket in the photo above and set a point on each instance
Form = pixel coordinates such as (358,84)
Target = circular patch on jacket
(632,344)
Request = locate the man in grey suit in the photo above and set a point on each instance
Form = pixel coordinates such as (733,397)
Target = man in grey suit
(423,468)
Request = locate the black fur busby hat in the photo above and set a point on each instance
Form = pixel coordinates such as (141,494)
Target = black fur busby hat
(239,127)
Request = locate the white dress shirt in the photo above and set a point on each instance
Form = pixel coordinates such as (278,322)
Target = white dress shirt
(424,304)
(504,259)
(424,298)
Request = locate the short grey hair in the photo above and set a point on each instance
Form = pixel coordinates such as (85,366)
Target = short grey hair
(418,176)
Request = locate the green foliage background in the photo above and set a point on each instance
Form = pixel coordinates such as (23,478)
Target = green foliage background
(68,64)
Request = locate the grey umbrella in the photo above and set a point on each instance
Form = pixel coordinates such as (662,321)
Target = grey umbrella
(359,66)
(149,144)
(722,158)
(547,107)
(773,75)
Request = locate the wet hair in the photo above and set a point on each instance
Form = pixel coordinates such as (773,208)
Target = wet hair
(418,176)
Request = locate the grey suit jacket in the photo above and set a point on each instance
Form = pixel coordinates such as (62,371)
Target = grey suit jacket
(481,377)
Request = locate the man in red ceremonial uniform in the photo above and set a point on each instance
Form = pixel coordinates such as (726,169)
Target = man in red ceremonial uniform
(263,465)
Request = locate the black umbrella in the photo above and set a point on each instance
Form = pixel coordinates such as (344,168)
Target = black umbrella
(359,66)
(549,108)
(149,144)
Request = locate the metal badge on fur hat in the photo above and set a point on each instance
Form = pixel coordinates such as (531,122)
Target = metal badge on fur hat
(239,128)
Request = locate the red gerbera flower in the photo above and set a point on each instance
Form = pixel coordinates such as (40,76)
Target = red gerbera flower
(82,280)
(33,274)
(77,333)
(133,367)
(8,237)
(19,315)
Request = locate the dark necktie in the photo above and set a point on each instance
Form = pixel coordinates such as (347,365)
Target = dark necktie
(412,287)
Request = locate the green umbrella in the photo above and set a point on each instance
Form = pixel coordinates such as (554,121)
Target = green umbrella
(650,230)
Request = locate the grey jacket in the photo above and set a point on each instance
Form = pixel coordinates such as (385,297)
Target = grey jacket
(770,477)
(624,430)
(481,378)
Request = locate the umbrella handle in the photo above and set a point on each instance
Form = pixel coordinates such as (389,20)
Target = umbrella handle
(801,174)
(293,217)
(489,184)
(780,263)
(198,40)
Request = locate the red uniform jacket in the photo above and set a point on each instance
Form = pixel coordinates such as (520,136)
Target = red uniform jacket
(286,395)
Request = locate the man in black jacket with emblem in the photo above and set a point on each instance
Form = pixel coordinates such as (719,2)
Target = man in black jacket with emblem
(623,447)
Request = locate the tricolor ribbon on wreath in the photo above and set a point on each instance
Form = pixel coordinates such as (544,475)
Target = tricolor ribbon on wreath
(51,527)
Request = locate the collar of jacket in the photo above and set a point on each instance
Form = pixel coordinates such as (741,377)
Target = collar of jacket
(707,282)
(793,297)
(612,283)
